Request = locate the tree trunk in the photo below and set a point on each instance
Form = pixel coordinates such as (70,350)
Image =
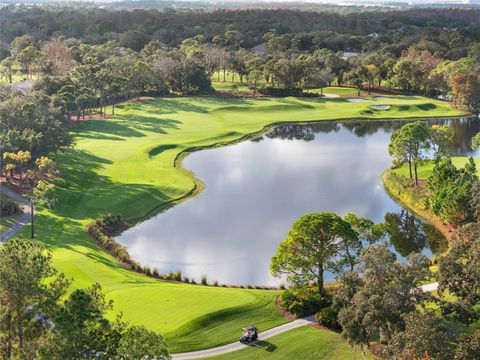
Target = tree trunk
(32,228)
(416,175)
(224,73)
(20,331)
(113,108)
(321,289)
(410,169)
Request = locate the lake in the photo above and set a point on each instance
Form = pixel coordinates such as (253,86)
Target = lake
(256,189)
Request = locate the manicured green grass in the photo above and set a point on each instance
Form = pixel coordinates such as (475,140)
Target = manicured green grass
(426,170)
(302,343)
(125,165)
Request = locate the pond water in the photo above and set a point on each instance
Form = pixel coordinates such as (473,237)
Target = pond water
(256,189)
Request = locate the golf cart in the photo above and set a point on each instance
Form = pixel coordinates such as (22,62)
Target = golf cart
(250,335)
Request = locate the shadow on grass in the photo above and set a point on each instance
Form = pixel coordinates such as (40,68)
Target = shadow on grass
(82,192)
(264,345)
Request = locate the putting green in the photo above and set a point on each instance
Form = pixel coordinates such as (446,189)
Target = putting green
(126,165)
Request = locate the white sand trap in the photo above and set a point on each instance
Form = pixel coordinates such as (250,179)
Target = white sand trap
(356,100)
(380,107)
(380,98)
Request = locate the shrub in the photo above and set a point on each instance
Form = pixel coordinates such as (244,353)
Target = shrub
(273,91)
(204,280)
(328,317)
(303,302)
(155,272)
(9,207)
(215,283)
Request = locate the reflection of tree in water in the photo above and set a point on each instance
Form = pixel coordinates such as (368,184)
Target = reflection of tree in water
(406,234)
(364,128)
(410,235)
(300,132)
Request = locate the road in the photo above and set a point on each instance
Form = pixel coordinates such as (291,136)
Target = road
(24,218)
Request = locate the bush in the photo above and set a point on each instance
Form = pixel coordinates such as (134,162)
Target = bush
(303,302)
(204,280)
(9,207)
(273,91)
(328,317)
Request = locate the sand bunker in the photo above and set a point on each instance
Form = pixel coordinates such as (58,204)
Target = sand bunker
(357,100)
(379,107)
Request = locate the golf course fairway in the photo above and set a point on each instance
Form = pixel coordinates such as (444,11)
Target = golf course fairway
(129,164)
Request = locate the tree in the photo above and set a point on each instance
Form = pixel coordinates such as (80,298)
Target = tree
(320,79)
(139,343)
(316,243)
(254,78)
(450,191)
(466,90)
(26,295)
(6,68)
(423,334)
(288,73)
(59,56)
(407,143)
(81,329)
(469,347)
(459,274)
(27,57)
(476,141)
(406,74)
(441,137)
(373,299)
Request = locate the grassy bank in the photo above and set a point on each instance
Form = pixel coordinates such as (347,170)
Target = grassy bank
(302,343)
(128,165)
(402,189)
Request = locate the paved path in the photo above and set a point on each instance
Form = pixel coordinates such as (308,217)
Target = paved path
(264,335)
(238,346)
(24,218)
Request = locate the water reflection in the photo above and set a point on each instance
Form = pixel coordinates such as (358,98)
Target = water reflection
(255,190)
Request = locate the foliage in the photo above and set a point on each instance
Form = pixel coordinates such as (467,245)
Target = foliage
(468,347)
(9,207)
(423,334)
(450,191)
(139,343)
(441,137)
(316,242)
(459,273)
(407,143)
(328,317)
(373,299)
(26,296)
(303,301)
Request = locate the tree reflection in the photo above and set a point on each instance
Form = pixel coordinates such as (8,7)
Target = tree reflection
(300,131)
(411,235)
(406,232)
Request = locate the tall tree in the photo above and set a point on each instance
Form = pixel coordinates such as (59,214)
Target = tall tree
(407,144)
(25,294)
(316,243)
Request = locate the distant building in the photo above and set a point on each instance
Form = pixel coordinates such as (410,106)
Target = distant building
(348,54)
(260,49)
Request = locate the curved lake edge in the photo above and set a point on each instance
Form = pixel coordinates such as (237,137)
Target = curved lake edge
(199,185)
(425,214)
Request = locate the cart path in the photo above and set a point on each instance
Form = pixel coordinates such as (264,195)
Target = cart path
(224,349)
(22,220)
(238,345)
